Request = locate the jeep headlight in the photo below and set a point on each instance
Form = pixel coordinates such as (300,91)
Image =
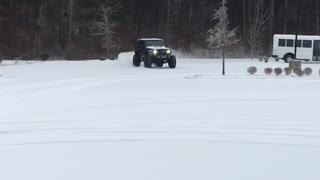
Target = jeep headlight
(168,51)
(155,52)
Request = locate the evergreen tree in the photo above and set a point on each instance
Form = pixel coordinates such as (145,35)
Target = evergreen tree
(220,36)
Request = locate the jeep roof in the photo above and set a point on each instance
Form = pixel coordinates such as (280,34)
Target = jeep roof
(150,39)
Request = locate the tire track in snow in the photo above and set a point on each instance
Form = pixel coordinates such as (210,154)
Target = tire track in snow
(164,140)
(220,127)
(109,105)
(219,131)
(198,120)
(150,131)
(41,88)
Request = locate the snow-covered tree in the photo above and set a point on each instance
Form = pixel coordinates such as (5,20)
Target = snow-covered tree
(105,28)
(258,25)
(221,36)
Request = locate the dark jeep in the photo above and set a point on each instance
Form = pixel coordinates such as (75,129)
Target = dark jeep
(153,51)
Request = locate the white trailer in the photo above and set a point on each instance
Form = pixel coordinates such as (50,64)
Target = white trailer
(308,47)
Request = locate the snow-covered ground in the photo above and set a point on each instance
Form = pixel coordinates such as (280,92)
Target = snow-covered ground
(106,120)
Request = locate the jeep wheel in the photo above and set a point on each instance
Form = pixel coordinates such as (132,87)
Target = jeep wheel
(136,61)
(147,62)
(172,62)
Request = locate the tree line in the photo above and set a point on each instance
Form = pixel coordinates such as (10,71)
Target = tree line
(78,29)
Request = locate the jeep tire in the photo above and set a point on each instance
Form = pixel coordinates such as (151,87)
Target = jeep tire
(147,61)
(172,62)
(136,60)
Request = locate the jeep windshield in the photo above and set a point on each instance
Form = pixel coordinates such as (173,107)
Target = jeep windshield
(155,43)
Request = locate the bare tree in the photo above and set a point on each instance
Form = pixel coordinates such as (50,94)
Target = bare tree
(12,33)
(244,18)
(105,28)
(258,25)
(285,23)
(220,36)
(271,27)
(70,21)
(317,17)
(3,18)
(40,28)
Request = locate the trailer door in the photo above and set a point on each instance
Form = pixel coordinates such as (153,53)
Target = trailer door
(316,50)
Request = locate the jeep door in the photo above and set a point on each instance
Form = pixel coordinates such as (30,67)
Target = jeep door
(141,48)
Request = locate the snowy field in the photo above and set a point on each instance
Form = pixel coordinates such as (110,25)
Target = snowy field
(106,120)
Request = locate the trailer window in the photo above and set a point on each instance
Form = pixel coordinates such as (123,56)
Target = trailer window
(290,42)
(307,43)
(282,42)
(299,43)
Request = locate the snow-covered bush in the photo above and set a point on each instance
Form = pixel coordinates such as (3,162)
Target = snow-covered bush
(44,55)
(287,71)
(268,71)
(295,71)
(298,72)
(278,71)
(307,71)
(252,70)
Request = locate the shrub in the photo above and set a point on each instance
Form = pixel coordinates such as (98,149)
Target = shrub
(266,59)
(278,71)
(44,55)
(252,70)
(287,71)
(113,57)
(298,72)
(26,57)
(307,71)
(295,71)
(268,71)
(260,59)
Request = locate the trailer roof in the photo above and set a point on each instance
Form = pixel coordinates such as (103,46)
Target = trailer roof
(292,36)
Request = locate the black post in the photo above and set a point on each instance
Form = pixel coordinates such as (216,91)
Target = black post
(223,63)
(297,28)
